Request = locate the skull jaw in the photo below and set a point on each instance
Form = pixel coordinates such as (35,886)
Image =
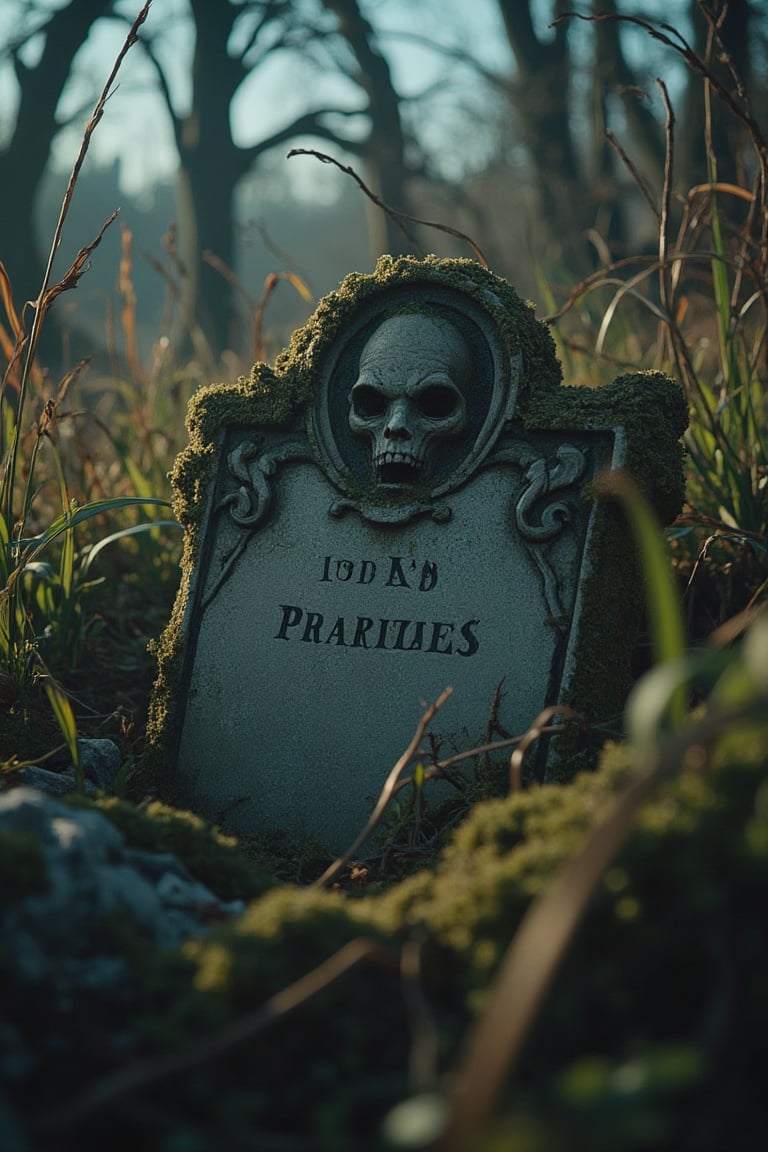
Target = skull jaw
(398,469)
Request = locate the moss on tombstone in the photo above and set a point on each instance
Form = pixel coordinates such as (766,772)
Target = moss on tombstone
(519,328)
(652,411)
(649,406)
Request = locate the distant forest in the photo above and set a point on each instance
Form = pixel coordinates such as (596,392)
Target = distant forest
(552,153)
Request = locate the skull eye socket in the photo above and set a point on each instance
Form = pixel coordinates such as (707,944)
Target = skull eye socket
(368,402)
(437,402)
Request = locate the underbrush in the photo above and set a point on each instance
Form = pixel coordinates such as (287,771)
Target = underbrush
(412,1014)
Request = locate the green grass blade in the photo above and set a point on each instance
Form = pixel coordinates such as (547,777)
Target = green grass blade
(665,616)
(65,718)
(135,530)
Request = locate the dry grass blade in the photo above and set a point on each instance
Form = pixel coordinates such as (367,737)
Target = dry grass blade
(150,1072)
(128,292)
(387,792)
(395,214)
(538,729)
(425,1039)
(594,280)
(90,128)
(6,295)
(626,288)
(270,284)
(48,294)
(544,935)
(79,265)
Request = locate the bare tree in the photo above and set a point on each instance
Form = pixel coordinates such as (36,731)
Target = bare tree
(212,163)
(24,158)
(581,194)
(384,149)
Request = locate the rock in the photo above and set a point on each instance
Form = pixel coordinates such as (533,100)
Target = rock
(53,783)
(93,879)
(100,761)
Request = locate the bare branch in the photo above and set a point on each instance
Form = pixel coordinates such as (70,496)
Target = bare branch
(309,124)
(398,217)
(498,80)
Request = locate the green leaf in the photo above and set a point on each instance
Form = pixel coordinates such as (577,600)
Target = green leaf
(65,718)
(93,552)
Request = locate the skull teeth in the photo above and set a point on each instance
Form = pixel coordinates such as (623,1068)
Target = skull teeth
(384,459)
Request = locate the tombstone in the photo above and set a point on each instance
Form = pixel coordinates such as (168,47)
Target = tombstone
(400,505)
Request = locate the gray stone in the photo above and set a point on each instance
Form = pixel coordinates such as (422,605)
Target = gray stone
(54,783)
(399,507)
(100,761)
(93,877)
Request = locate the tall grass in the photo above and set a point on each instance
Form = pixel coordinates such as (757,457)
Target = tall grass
(74,561)
(702,303)
(43,576)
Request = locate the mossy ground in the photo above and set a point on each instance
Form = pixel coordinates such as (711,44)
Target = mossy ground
(652,1036)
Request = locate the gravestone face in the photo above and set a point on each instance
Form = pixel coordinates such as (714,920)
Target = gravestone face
(398,506)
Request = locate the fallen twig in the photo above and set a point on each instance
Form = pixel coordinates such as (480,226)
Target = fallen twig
(537,729)
(387,791)
(150,1072)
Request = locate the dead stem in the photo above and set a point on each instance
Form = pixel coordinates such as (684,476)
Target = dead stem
(534,733)
(422,1064)
(540,943)
(387,791)
(47,295)
(140,1076)
(394,214)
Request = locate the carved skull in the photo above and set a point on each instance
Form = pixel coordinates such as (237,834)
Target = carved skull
(410,395)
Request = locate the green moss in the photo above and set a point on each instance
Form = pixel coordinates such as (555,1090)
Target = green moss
(652,1031)
(216,860)
(652,411)
(649,406)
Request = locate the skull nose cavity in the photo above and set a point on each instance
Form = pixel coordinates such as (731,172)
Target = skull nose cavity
(398,420)
(397,430)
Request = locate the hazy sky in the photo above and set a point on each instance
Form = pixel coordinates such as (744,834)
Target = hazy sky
(135,129)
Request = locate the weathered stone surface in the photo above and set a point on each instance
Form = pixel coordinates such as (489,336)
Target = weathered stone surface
(91,877)
(54,783)
(100,763)
(399,506)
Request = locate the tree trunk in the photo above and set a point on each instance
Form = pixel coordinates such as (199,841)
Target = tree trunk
(541,96)
(23,161)
(384,151)
(211,166)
